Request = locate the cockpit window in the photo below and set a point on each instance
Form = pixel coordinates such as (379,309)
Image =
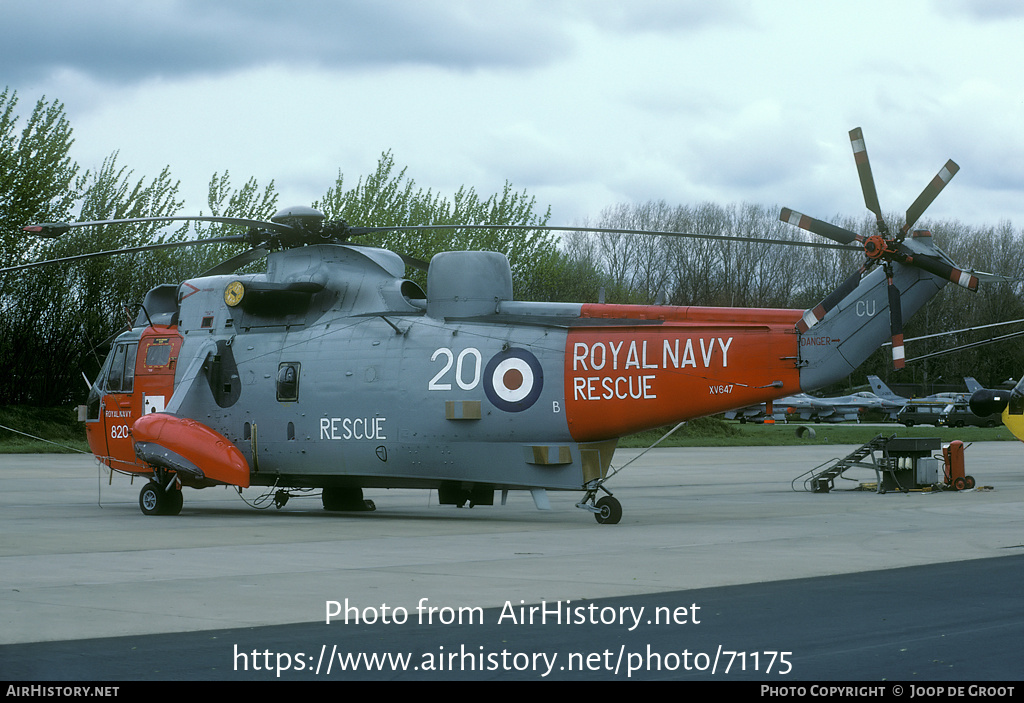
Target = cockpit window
(121,373)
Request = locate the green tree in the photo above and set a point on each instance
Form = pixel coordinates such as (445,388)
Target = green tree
(388,197)
(250,201)
(38,180)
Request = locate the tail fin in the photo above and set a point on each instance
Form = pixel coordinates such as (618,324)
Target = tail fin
(972,384)
(883,391)
(859,323)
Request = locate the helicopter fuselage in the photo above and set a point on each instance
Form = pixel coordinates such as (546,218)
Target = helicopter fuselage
(331,370)
(346,379)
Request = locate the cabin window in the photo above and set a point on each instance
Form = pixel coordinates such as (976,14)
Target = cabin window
(159,353)
(288,382)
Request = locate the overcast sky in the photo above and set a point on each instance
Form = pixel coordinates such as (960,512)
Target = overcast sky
(585,104)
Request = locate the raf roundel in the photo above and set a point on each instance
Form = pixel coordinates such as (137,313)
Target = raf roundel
(513,380)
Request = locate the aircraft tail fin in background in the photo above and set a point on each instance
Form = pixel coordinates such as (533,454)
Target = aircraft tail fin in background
(881,390)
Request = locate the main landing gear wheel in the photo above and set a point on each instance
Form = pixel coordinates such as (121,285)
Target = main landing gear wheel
(609,511)
(154,500)
(346,499)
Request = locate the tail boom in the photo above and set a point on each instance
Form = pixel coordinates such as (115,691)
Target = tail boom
(632,368)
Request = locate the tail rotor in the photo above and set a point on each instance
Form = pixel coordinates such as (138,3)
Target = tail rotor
(884,248)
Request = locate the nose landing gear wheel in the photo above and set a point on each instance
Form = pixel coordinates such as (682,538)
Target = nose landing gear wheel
(154,500)
(174,502)
(609,511)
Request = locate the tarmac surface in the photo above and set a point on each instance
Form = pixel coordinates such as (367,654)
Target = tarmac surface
(721,529)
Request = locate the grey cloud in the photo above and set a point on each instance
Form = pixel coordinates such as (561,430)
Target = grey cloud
(990,10)
(656,15)
(130,41)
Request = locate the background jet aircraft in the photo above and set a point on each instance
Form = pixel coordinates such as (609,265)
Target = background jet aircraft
(846,408)
(883,391)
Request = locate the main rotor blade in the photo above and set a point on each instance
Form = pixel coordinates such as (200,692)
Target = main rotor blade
(406,259)
(236,262)
(55,229)
(930,192)
(825,229)
(867,181)
(414,262)
(357,231)
(130,250)
(972,345)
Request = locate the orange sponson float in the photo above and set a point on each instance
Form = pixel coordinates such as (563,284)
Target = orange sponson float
(199,454)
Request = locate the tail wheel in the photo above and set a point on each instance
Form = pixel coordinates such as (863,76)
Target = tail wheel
(610,511)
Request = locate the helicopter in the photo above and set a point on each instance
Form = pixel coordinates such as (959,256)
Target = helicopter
(331,370)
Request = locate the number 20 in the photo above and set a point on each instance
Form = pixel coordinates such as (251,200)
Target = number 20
(460,363)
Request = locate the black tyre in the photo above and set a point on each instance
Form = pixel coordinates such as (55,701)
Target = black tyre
(347,499)
(610,511)
(153,499)
(174,502)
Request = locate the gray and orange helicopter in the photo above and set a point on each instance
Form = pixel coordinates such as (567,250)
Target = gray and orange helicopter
(332,370)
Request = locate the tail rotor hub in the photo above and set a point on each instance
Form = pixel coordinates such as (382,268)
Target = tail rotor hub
(876,246)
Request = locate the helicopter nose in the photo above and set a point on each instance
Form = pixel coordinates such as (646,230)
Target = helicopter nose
(988,402)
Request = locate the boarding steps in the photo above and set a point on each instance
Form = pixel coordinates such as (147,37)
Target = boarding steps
(821,479)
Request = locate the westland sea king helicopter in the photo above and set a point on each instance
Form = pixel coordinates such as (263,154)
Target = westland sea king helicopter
(331,370)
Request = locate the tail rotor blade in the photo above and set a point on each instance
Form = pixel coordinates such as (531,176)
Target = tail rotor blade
(895,322)
(867,181)
(941,269)
(814,315)
(930,192)
(825,229)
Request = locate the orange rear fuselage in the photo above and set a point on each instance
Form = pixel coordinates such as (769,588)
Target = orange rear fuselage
(640,367)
